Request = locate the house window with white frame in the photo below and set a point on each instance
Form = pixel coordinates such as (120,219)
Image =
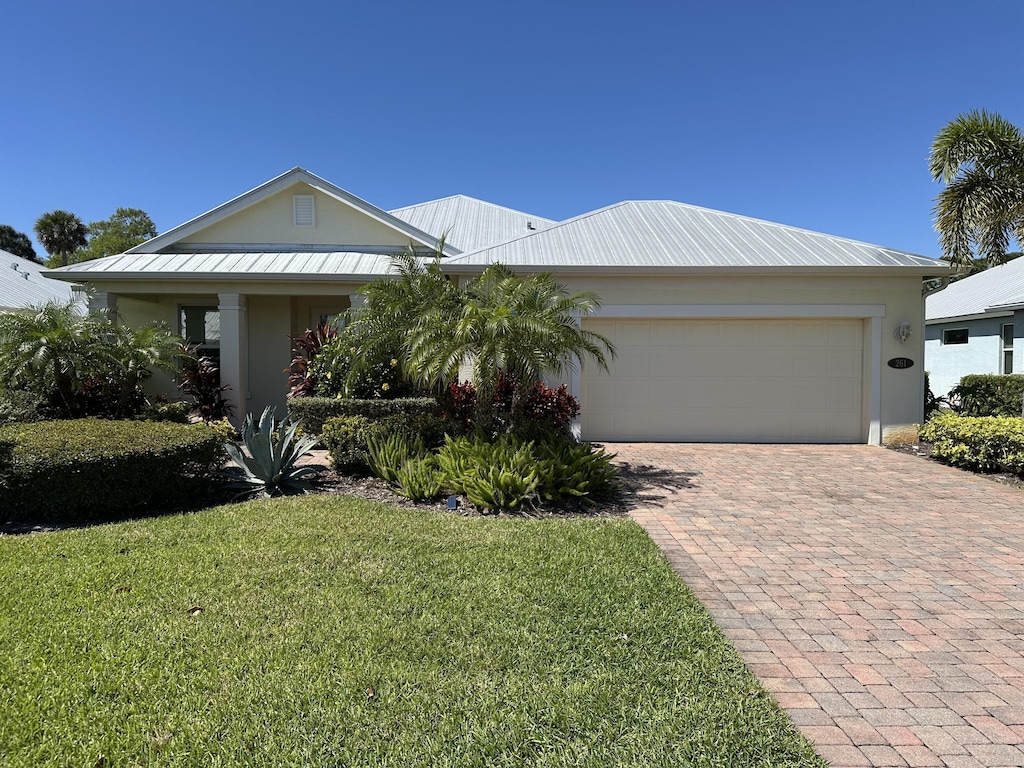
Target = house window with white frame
(1006,353)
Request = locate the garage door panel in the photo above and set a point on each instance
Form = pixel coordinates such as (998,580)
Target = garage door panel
(763,380)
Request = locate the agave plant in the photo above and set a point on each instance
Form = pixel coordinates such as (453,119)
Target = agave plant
(271,450)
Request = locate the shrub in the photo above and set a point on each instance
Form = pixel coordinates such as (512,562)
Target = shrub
(19,406)
(162,410)
(346,439)
(574,470)
(352,365)
(305,348)
(985,394)
(980,443)
(314,411)
(271,450)
(547,414)
(87,469)
(419,479)
(509,472)
(386,453)
(499,475)
(200,380)
(932,403)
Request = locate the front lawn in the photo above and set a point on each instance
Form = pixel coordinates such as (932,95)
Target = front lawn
(323,631)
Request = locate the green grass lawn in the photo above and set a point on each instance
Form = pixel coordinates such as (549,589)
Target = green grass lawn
(324,631)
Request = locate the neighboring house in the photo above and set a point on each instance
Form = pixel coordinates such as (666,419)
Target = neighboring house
(976,325)
(22,284)
(727,328)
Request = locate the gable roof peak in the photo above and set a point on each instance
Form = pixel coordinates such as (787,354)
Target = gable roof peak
(275,185)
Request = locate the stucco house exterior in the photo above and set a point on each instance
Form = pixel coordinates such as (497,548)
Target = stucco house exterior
(23,285)
(976,325)
(728,328)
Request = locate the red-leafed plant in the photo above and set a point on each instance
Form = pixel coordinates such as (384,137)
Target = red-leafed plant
(305,348)
(200,380)
(546,409)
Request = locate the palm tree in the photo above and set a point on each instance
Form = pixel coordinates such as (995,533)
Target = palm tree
(51,351)
(980,158)
(61,233)
(520,327)
(81,362)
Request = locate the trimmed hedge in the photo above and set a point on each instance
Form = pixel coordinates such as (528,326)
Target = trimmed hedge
(88,469)
(314,411)
(979,443)
(988,394)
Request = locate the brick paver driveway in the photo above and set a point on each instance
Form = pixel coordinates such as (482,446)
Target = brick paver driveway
(879,596)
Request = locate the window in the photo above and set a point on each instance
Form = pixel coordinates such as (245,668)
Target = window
(955,336)
(1007,348)
(200,326)
(303,212)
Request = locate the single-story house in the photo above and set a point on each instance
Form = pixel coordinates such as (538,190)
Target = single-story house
(23,285)
(976,325)
(728,328)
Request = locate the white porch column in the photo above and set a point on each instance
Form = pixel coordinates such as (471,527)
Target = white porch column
(234,351)
(103,301)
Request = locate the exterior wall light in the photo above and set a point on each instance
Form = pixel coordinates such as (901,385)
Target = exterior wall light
(903,332)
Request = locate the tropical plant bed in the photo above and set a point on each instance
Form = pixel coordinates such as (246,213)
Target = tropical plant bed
(321,631)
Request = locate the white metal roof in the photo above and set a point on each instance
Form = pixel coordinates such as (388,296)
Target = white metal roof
(22,285)
(313,264)
(663,233)
(996,289)
(468,223)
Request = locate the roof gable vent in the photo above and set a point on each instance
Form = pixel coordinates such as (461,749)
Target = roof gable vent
(303,212)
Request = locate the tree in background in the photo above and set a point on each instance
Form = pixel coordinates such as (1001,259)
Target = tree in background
(18,243)
(980,158)
(125,229)
(61,233)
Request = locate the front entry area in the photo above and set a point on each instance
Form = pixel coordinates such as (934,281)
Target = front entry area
(757,380)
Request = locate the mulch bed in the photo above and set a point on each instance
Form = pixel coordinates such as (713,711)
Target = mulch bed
(924,451)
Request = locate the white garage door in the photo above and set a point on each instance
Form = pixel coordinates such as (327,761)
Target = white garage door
(735,380)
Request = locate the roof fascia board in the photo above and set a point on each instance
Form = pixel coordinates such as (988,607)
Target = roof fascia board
(272,187)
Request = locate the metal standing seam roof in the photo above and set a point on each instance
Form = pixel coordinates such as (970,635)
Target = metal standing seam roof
(468,223)
(22,285)
(664,233)
(983,292)
(232,265)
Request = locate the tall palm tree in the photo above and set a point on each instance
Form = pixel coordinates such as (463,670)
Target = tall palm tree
(61,233)
(980,158)
(522,327)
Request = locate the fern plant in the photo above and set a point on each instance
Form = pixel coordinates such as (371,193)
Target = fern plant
(271,450)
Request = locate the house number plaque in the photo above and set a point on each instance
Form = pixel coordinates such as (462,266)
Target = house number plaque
(901,362)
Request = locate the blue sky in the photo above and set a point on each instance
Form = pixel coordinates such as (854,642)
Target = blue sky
(818,115)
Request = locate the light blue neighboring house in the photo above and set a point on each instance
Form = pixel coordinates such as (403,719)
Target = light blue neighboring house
(976,325)
(22,285)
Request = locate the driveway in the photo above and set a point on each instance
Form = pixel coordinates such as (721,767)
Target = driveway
(880,597)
